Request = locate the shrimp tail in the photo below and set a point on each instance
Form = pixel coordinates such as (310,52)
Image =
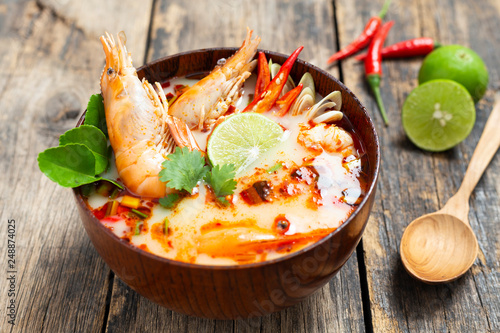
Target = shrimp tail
(207,100)
(181,133)
(241,61)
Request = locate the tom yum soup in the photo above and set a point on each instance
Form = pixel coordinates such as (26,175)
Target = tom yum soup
(240,166)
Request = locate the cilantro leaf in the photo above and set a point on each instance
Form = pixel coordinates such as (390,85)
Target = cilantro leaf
(95,114)
(92,138)
(220,179)
(223,201)
(169,201)
(183,169)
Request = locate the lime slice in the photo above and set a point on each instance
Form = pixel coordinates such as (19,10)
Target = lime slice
(438,115)
(242,138)
(457,63)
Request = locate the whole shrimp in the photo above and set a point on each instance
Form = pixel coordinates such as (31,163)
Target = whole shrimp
(207,100)
(141,132)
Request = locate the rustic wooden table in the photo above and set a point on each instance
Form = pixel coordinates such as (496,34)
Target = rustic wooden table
(51,60)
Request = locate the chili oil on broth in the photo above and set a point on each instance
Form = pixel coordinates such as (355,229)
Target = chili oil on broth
(271,215)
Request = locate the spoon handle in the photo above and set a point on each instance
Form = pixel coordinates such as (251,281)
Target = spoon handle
(486,148)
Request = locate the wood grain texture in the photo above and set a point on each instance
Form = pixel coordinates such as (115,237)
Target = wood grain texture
(414,182)
(282,25)
(50,67)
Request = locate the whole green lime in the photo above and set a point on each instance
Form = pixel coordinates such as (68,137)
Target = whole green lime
(457,63)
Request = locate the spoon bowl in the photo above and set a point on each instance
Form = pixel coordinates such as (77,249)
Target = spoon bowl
(438,248)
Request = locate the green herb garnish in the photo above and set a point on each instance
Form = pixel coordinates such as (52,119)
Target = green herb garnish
(165,225)
(183,169)
(138,226)
(104,188)
(169,201)
(93,139)
(139,213)
(82,153)
(115,193)
(275,168)
(70,165)
(95,114)
(221,181)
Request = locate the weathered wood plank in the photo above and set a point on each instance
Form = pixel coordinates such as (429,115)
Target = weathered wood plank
(51,64)
(413,182)
(282,25)
(179,26)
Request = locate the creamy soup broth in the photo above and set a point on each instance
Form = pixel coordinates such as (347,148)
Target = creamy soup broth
(294,195)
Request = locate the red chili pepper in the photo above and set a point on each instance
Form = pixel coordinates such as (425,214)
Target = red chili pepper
(364,39)
(265,101)
(373,65)
(408,48)
(286,101)
(263,77)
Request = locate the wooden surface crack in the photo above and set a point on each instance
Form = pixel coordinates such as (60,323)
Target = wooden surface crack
(107,303)
(45,314)
(481,301)
(337,41)
(365,290)
(150,30)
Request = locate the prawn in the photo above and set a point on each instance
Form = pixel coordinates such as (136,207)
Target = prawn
(327,137)
(203,103)
(140,130)
(243,242)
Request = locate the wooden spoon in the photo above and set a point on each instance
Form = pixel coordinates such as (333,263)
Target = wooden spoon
(440,247)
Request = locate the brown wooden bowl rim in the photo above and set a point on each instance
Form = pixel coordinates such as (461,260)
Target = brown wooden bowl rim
(267,262)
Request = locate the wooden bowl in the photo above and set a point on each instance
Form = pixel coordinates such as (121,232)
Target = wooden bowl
(233,292)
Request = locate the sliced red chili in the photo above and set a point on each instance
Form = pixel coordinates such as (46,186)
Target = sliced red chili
(264,77)
(100,213)
(286,101)
(265,101)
